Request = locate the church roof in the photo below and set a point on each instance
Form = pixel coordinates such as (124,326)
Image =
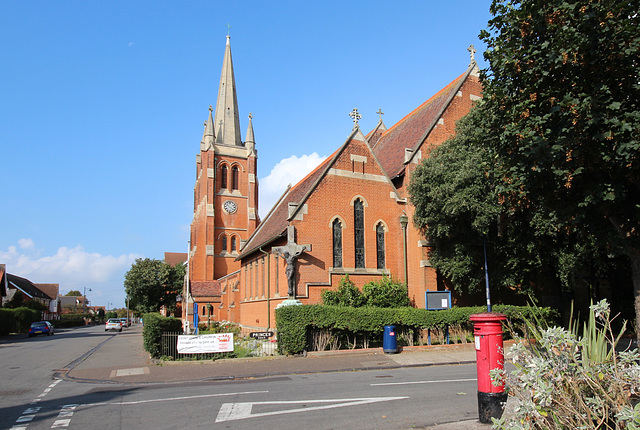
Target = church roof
(205,288)
(414,128)
(276,222)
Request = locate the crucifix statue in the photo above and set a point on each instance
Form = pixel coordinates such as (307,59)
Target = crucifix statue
(290,253)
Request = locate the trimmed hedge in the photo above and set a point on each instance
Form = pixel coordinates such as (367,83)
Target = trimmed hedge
(154,326)
(295,322)
(17,320)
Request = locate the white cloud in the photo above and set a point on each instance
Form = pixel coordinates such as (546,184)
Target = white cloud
(26,244)
(72,268)
(288,171)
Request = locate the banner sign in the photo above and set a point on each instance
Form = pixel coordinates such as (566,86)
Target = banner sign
(219,342)
(261,334)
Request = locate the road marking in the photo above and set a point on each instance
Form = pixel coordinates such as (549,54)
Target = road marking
(139,402)
(424,382)
(239,411)
(29,414)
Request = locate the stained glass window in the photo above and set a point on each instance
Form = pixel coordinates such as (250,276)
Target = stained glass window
(380,245)
(358,222)
(337,243)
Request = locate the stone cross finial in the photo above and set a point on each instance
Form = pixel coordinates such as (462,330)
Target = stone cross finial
(380,113)
(472,52)
(355,116)
(290,253)
(210,108)
(250,116)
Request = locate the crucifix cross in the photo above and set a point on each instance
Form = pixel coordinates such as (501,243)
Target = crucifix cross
(290,253)
(380,113)
(355,116)
(228,28)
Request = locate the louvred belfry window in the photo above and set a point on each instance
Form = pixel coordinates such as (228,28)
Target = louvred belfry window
(223,176)
(337,243)
(380,245)
(234,178)
(358,221)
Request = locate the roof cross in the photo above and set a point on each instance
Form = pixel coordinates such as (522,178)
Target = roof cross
(228,28)
(355,116)
(472,52)
(380,113)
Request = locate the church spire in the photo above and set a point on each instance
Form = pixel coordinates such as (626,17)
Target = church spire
(208,138)
(227,122)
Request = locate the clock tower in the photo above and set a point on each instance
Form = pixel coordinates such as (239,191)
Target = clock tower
(226,189)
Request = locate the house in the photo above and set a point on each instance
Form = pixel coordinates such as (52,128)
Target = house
(21,289)
(349,216)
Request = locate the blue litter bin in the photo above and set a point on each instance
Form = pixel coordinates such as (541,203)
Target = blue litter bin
(389,342)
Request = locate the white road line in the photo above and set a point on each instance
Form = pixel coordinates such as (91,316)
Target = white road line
(29,414)
(239,411)
(424,382)
(172,399)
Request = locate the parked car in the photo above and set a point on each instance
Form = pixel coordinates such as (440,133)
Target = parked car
(113,324)
(126,322)
(41,327)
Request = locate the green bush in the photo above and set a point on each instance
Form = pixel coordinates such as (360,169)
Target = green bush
(154,326)
(386,293)
(296,323)
(24,317)
(347,294)
(68,322)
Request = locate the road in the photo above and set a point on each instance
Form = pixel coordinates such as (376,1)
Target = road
(403,398)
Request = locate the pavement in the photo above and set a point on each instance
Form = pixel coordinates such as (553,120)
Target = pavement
(121,359)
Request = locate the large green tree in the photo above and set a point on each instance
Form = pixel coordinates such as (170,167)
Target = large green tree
(150,284)
(563,90)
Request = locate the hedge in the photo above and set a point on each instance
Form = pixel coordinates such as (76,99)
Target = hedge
(294,323)
(17,320)
(154,326)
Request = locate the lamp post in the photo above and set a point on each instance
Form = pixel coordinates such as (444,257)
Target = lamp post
(84,304)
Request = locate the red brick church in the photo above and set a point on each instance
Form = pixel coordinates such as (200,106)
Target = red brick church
(351,215)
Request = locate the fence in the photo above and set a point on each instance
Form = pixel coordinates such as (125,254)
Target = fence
(244,345)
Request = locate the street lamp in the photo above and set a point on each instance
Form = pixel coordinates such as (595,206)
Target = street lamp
(84,305)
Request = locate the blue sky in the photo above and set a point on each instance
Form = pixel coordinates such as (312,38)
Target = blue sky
(102,107)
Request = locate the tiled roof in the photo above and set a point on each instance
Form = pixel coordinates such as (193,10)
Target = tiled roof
(205,288)
(275,224)
(51,290)
(412,130)
(26,286)
(173,258)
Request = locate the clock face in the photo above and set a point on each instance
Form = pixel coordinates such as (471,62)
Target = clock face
(230,206)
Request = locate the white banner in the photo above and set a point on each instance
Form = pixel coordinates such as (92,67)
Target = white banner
(219,342)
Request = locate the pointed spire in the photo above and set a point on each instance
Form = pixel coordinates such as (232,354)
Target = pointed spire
(250,137)
(208,138)
(226,119)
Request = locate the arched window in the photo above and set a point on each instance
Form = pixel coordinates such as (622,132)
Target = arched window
(337,243)
(233,243)
(380,245)
(204,310)
(223,176)
(358,224)
(234,178)
(224,243)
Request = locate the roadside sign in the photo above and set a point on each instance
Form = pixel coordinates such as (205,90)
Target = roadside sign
(261,334)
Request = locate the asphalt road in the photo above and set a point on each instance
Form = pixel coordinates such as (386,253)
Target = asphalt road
(403,398)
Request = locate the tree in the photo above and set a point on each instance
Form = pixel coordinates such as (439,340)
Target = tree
(563,90)
(74,293)
(150,283)
(386,293)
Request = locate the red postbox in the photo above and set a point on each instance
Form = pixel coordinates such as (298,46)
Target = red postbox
(487,332)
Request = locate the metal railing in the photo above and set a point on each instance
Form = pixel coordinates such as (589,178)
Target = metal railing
(245,345)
